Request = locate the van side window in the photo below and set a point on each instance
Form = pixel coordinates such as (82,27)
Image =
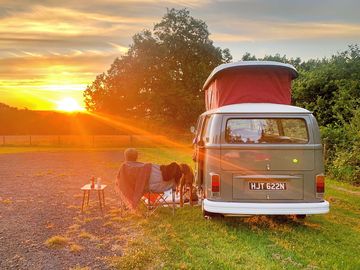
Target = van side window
(205,129)
(198,129)
(266,130)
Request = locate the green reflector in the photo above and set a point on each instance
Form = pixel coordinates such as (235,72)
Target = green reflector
(295,160)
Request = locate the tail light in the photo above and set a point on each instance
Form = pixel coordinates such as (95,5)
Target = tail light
(320,184)
(215,183)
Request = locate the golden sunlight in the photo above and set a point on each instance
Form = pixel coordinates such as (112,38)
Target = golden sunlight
(69,104)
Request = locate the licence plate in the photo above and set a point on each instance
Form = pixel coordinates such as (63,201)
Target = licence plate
(267,186)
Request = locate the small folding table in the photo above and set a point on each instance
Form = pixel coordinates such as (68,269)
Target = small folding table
(100,190)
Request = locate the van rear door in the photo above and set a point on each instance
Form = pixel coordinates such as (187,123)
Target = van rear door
(267,156)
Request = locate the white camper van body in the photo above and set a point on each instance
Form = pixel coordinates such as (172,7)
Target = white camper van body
(260,159)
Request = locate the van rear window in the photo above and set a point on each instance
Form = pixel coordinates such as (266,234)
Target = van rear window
(267,130)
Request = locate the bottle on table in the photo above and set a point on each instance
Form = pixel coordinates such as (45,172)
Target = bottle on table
(98,182)
(92,182)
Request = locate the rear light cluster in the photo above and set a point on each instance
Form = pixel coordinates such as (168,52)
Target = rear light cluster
(320,185)
(215,183)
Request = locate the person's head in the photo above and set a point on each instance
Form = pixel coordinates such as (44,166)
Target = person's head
(131,154)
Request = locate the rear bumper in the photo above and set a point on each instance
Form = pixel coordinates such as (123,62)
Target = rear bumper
(236,208)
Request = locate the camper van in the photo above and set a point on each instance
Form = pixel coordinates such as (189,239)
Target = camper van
(256,154)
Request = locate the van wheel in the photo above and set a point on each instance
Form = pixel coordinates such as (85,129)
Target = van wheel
(300,217)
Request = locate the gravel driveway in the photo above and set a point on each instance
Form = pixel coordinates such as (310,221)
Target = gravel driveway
(40,198)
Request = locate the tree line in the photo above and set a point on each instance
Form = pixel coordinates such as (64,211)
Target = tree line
(14,121)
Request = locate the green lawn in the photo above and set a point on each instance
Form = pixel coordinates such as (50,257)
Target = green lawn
(188,241)
(155,155)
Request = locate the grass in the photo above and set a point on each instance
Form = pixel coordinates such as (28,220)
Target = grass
(74,227)
(188,241)
(86,235)
(155,155)
(80,268)
(165,155)
(57,241)
(31,149)
(75,248)
(6,201)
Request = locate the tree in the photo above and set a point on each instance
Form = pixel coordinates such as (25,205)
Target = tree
(330,87)
(161,75)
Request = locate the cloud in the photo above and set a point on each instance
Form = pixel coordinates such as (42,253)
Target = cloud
(224,37)
(268,30)
(120,48)
(75,64)
(53,47)
(65,22)
(41,29)
(335,11)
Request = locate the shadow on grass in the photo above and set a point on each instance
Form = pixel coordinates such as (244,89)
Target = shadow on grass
(266,223)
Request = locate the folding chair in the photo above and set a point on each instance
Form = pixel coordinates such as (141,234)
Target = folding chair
(154,200)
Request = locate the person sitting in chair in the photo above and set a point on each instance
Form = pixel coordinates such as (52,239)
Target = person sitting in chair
(136,178)
(132,179)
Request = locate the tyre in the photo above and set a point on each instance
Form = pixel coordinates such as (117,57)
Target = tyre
(300,217)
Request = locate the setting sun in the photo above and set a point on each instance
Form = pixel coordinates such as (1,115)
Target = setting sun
(68,104)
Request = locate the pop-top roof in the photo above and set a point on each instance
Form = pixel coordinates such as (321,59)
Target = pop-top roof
(258,108)
(249,64)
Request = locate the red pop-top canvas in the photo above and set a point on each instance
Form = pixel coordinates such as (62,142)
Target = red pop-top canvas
(252,84)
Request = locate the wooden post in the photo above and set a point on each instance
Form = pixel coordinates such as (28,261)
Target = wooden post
(4,140)
(30,139)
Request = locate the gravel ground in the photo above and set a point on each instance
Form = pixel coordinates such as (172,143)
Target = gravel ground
(40,198)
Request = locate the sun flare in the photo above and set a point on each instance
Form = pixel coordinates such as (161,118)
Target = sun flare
(68,104)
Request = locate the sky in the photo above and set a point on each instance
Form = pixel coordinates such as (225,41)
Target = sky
(51,50)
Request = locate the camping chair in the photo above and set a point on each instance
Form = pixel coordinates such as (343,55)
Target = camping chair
(153,200)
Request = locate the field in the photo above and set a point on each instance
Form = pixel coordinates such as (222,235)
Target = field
(41,226)
(90,141)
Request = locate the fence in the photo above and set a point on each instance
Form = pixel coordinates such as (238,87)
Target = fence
(92,140)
